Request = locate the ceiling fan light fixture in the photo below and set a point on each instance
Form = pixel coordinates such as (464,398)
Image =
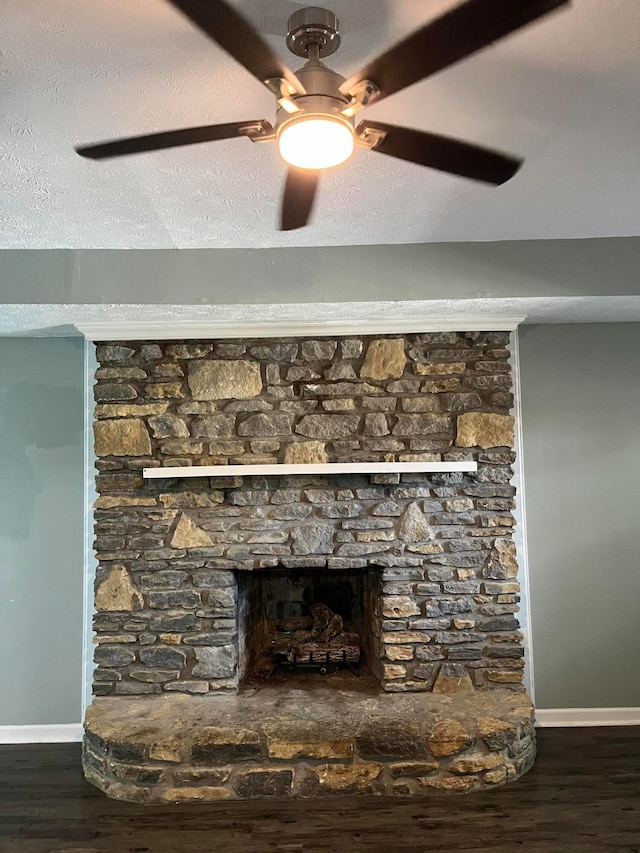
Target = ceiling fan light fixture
(315,142)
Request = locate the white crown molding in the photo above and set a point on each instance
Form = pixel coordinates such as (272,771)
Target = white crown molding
(169,329)
(577,717)
(56,733)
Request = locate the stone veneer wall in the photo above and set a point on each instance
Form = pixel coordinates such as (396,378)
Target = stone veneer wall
(169,550)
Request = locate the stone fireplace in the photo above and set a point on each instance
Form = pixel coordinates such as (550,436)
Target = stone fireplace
(300,634)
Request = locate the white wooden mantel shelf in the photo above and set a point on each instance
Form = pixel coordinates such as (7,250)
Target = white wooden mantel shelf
(318,468)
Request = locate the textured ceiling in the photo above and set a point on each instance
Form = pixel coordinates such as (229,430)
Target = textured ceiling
(563,93)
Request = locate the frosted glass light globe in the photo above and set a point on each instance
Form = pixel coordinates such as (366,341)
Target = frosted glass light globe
(316,143)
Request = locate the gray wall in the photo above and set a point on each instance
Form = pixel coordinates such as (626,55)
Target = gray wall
(581,410)
(551,268)
(41,530)
(580,416)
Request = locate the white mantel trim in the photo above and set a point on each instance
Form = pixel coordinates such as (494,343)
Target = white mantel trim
(133,330)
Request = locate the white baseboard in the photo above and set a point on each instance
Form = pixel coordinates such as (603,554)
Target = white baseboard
(575,717)
(57,733)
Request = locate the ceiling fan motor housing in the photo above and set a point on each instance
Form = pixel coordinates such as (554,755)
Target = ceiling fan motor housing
(323,99)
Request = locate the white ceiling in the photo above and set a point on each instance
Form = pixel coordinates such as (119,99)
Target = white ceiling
(563,93)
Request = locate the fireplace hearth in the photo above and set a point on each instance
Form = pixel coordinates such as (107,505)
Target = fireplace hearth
(236,616)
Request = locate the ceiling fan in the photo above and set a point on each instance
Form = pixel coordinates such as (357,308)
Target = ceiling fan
(315,126)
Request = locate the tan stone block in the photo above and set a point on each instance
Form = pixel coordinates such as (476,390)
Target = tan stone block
(226,448)
(441,369)
(400,637)
(501,521)
(108,501)
(412,768)
(494,777)
(170,639)
(127,437)
(164,390)
(480,429)
(449,737)
(506,549)
(202,793)
(414,526)
(305,453)
(391,671)
(118,592)
(167,750)
(221,380)
(464,624)
(399,606)
(316,750)
(433,548)
(129,410)
(476,763)
(188,535)
(385,359)
(420,457)
(375,535)
(399,652)
(439,386)
(504,676)
(458,505)
(338,777)
(453,683)
(451,783)
(492,728)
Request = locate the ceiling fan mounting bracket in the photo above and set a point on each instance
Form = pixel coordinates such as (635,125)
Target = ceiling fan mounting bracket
(368,137)
(313,33)
(362,95)
(261,131)
(282,88)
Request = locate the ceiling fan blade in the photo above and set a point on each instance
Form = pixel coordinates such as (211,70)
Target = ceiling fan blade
(297,202)
(453,36)
(234,34)
(170,139)
(443,153)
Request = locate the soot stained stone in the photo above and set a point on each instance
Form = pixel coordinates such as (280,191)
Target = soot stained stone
(164,657)
(263,783)
(221,746)
(391,742)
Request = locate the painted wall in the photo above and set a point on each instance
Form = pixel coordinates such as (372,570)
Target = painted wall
(585,584)
(41,530)
(580,415)
(419,271)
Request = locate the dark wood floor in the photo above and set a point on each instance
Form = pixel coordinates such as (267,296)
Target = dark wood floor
(583,795)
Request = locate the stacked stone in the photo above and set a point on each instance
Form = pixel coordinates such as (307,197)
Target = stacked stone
(168,549)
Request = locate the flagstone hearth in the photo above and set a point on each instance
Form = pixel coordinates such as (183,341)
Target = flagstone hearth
(337,735)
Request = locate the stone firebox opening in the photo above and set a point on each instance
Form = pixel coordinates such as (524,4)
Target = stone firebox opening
(300,621)
(189,585)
